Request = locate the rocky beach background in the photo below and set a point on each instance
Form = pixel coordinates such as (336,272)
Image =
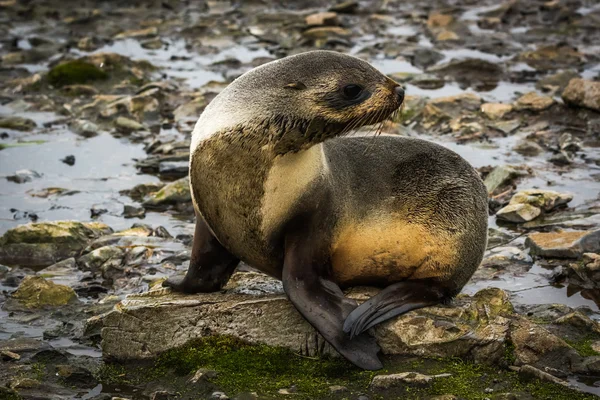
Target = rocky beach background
(97,103)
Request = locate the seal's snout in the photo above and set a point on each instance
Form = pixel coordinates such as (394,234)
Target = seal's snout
(399,93)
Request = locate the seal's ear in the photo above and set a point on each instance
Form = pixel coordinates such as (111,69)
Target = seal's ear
(295,86)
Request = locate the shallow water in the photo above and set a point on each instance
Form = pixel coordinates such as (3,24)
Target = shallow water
(105,165)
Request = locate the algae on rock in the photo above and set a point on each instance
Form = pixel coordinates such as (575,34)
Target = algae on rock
(37,292)
(45,243)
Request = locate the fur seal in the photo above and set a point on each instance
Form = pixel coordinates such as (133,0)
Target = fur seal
(277,184)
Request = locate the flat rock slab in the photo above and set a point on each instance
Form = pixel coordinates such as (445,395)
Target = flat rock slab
(146,325)
(563,244)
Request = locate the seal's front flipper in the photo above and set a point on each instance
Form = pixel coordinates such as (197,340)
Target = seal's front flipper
(320,300)
(211,264)
(394,300)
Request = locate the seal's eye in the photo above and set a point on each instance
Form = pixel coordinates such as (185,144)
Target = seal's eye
(352,91)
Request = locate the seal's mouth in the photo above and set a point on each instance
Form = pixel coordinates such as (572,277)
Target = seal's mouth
(387,108)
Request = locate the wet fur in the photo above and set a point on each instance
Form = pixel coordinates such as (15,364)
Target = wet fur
(277,185)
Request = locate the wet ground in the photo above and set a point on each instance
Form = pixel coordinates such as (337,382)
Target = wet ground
(197,48)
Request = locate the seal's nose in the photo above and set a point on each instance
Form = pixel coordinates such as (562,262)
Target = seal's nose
(400,93)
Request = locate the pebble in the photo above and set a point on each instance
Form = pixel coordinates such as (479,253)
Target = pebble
(23,176)
(69,160)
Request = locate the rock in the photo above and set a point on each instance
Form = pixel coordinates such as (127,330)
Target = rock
(75,72)
(174,193)
(138,33)
(337,389)
(173,169)
(404,378)
(578,320)
(443,109)
(536,346)
(563,244)
(518,213)
(202,374)
(190,111)
(475,327)
(17,123)
(470,71)
(75,375)
(162,395)
(501,176)
(422,57)
(556,82)
(79,90)
(586,273)
(153,44)
(446,35)
(568,143)
(24,383)
(69,160)
(84,128)
(438,20)
(496,110)
(527,371)
(37,292)
(582,93)
(133,211)
(528,148)
(534,102)
(140,191)
(552,57)
(127,125)
(426,81)
(325,32)
(219,396)
(561,159)
(45,243)
(94,260)
(546,200)
(23,176)
(88,43)
(7,355)
(322,18)
(345,7)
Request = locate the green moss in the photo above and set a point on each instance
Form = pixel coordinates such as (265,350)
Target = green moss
(584,346)
(264,369)
(75,72)
(509,353)
(8,394)
(112,374)
(242,367)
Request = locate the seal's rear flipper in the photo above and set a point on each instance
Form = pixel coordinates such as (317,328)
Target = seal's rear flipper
(211,264)
(394,300)
(321,301)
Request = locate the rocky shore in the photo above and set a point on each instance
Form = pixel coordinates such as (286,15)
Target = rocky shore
(97,103)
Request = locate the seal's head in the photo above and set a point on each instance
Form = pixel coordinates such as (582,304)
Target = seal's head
(303,99)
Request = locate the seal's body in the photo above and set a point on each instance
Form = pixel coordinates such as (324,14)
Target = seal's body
(277,185)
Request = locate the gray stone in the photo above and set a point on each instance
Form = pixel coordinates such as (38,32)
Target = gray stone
(528,148)
(518,213)
(127,125)
(93,260)
(46,243)
(85,128)
(563,244)
(23,176)
(404,378)
(583,93)
(502,176)
(475,327)
(174,193)
(17,123)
